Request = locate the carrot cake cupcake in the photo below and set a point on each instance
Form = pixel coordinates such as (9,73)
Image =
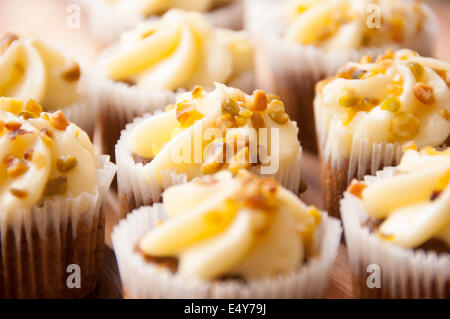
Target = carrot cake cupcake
(51,189)
(151,63)
(202,133)
(370,111)
(221,236)
(33,69)
(397,228)
(109,18)
(303,41)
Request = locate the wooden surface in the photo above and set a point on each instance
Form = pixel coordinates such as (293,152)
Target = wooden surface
(47,19)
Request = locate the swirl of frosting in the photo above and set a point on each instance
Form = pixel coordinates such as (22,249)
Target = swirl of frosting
(31,69)
(351,24)
(399,98)
(233,226)
(180,50)
(415,203)
(41,155)
(152,7)
(209,131)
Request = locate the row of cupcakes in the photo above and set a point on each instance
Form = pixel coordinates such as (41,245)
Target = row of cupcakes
(146,145)
(297,44)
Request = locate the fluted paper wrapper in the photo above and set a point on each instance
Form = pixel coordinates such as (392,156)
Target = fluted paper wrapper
(39,244)
(143,280)
(339,169)
(405,273)
(106,24)
(292,70)
(137,188)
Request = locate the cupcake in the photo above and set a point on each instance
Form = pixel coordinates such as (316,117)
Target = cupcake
(202,133)
(151,63)
(109,18)
(301,42)
(33,69)
(221,236)
(398,224)
(51,190)
(371,111)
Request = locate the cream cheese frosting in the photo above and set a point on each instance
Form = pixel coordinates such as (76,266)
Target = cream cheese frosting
(399,98)
(222,129)
(32,69)
(245,226)
(344,25)
(178,51)
(153,7)
(41,155)
(414,204)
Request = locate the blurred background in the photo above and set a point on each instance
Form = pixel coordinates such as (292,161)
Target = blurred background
(48,19)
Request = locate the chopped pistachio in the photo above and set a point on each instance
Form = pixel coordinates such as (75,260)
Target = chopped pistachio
(15,166)
(56,186)
(28,155)
(187,115)
(215,159)
(58,121)
(12,105)
(18,192)
(424,93)
(66,163)
(197,92)
(356,188)
(445,114)
(404,125)
(230,106)
(245,113)
(13,125)
(33,108)
(240,161)
(259,101)
(395,89)
(38,160)
(350,98)
(391,104)
(72,73)
(238,95)
(417,69)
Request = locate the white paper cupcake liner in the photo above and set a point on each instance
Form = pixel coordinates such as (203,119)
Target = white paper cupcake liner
(405,273)
(292,70)
(38,244)
(136,188)
(106,25)
(341,163)
(141,279)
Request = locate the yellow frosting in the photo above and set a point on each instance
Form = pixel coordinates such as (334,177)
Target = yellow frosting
(399,98)
(348,24)
(180,50)
(151,7)
(416,202)
(31,69)
(177,139)
(41,155)
(233,226)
